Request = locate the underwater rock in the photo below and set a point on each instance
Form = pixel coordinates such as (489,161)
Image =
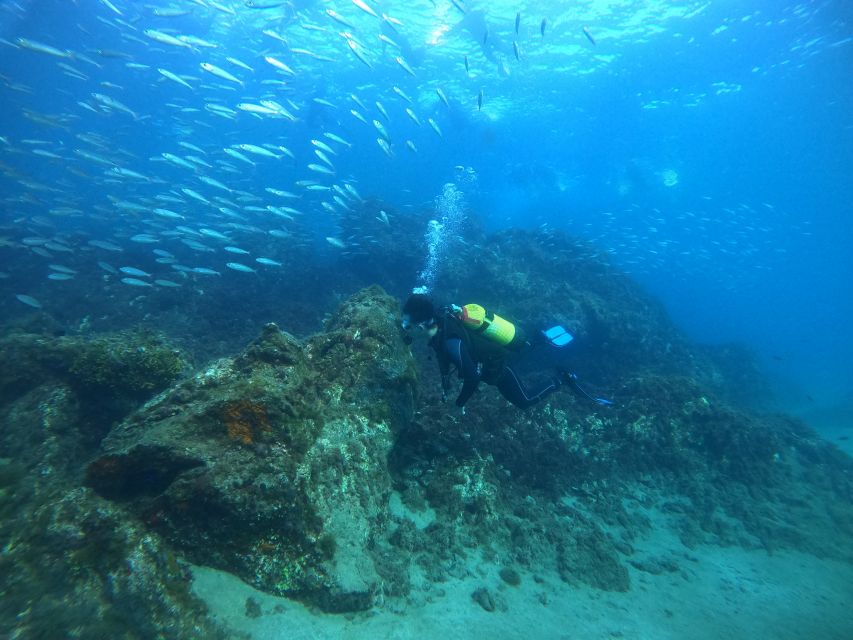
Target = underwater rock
(108,375)
(271,465)
(74,563)
(510,576)
(484,598)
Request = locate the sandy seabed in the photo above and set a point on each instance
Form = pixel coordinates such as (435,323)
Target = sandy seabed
(720,593)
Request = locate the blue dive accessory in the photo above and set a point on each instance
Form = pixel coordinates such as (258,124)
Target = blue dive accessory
(558,336)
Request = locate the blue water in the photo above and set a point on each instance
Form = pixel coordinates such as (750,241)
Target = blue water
(704,148)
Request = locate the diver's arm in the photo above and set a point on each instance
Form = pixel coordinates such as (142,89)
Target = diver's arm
(444,368)
(468,370)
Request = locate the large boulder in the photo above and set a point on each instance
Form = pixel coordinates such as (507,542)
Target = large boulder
(272,464)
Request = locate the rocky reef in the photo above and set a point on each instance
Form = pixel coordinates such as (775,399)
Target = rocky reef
(272,464)
(326,468)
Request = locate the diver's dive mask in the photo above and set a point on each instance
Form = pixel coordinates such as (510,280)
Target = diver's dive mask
(408,326)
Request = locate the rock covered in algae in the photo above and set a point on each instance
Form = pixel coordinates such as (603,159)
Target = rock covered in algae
(271,465)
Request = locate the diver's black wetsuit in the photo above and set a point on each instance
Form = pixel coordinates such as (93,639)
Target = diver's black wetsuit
(524,374)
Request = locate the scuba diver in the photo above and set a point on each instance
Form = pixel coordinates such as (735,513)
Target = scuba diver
(483,347)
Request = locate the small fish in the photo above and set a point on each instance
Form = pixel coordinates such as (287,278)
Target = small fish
(589,35)
(212,233)
(166,283)
(109,5)
(391,22)
(165,38)
(127,173)
(324,158)
(466,65)
(358,53)
(542,26)
(192,40)
(269,262)
(115,105)
(206,272)
(237,250)
(280,193)
(319,168)
(382,111)
(220,73)
(442,96)
(163,12)
(401,61)
(382,131)
(195,195)
(411,146)
(517,22)
(412,116)
(278,64)
(133,271)
(60,276)
(323,146)
(383,144)
(258,151)
(39,47)
(236,266)
(516,50)
(214,183)
(388,40)
(335,242)
(144,238)
(352,191)
(29,300)
(174,77)
(358,116)
(258,4)
(363,6)
(434,126)
(238,156)
(336,138)
(256,108)
(168,213)
(136,282)
(480,100)
(61,268)
(280,110)
(238,63)
(171,157)
(47,154)
(334,15)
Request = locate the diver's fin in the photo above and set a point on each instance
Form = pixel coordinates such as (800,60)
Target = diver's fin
(558,336)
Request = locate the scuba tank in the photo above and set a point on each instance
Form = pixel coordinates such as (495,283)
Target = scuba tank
(490,325)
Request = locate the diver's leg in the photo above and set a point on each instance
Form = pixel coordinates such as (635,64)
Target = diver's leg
(518,394)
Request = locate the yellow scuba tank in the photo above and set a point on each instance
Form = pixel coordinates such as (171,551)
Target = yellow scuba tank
(490,325)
